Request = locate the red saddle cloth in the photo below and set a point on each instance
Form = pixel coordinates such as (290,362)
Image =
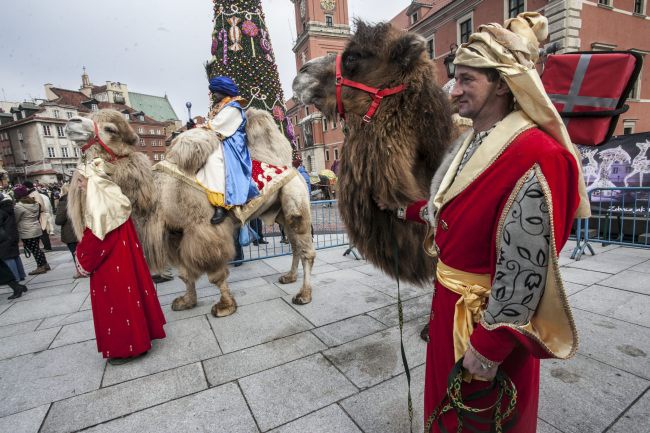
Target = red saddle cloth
(264,173)
(589,90)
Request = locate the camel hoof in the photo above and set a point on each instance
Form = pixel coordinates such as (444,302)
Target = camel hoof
(222,310)
(181,304)
(300,299)
(288,278)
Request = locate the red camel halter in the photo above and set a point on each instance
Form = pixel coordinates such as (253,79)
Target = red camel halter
(377,94)
(96,139)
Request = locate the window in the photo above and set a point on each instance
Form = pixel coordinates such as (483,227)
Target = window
(69,114)
(64,152)
(142,142)
(465,29)
(60,131)
(127,116)
(334,123)
(636,91)
(329,20)
(50,152)
(336,154)
(327,155)
(638,7)
(141,117)
(162,156)
(515,7)
(56,114)
(603,2)
(20,135)
(431,50)
(46,130)
(155,157)
(158,131)
(152,132)
(140,130)
(93,107)
(629,126)
(324,124)
(615,170)
(76,151)
(414,17)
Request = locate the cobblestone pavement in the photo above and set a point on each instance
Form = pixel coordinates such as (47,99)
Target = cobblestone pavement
(330,366)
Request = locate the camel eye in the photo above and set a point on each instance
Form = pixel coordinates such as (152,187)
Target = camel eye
(110,129)
(350,59)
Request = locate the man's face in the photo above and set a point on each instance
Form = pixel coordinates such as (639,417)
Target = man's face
(473,91)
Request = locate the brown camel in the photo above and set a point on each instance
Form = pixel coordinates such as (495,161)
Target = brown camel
(392,158)
(173,217)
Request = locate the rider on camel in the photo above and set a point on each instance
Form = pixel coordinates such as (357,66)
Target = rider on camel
(226,176)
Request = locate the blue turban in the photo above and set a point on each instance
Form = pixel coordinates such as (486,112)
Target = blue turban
(224,85)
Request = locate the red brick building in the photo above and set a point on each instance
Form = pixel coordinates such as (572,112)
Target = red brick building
(602,25)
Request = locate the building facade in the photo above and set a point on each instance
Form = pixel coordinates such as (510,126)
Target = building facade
(322,29)
(575,25)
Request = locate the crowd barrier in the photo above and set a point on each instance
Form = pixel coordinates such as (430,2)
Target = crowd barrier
(619,216)
(328,232)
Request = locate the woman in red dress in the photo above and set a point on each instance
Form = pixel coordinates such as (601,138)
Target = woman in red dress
(125,306)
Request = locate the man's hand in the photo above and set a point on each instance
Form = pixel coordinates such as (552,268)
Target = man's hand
(473,364)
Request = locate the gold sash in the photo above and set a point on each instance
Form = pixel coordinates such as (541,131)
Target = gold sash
(474,289)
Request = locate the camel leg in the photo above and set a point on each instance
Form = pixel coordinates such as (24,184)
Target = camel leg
(188,300)
(304,249)
(292,275)
(227,304)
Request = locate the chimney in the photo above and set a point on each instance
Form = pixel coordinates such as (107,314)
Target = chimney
(49,94)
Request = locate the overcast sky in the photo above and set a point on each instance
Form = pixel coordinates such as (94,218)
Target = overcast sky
(155,47)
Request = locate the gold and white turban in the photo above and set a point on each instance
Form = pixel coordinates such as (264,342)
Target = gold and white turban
(513,50)
(106,207)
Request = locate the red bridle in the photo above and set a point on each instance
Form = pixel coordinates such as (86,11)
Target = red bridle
(377,94)
(97,140)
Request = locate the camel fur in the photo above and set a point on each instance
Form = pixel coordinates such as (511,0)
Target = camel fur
(173,218)
(391,160)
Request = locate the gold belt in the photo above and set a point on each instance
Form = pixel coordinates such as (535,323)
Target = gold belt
(473,289)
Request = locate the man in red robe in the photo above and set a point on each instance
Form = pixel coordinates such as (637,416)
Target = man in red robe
(125,306)
(500,215)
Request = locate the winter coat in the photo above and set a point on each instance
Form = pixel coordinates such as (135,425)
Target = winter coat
(8,244)
(27,214)
(67,232)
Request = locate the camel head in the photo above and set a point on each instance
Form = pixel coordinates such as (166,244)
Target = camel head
(109,126)
(378,56)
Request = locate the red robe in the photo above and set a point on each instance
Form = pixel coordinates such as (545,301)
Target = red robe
(467,241)
(126,310)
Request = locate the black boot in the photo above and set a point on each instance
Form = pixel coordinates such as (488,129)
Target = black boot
(17,288)
(219,215)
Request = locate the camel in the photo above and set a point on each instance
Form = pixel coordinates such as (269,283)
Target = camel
(390,159)
(173,217)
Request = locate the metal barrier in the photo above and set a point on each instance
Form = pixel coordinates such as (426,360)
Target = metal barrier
(619,216)
(328,231)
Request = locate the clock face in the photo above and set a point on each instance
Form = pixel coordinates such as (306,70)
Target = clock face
(328,5)
(303,8)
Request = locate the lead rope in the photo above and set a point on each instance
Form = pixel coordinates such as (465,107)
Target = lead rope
(400,315)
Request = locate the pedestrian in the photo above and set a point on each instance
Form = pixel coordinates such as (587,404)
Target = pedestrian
(9,253)
(256,225)
(503,211)
(7,277)
(27,213)
(124,302)
(46,215)
(68,236)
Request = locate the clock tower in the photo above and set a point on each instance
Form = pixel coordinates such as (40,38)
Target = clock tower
(323,29)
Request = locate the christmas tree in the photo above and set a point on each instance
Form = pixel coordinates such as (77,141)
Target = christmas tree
(241,50)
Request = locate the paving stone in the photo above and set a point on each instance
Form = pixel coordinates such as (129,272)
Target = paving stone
(26,343)
(598,394)
(349,264)
(75,333)
(250,270)
(83,285)
(5,307)
(187,341)
(29,381)
(40,293)
(24,422)
(544,427)
(636,419)
(320,282)
(43,307)
(572,288)
(346,330)
(581,276)
(609,263)
(337,301)
(412,309)
(203,307)
(335,256)
(387,285)
(631,252)
(328,420)
(18,328)
(383,408)
(46,280)
(66,319)
(216,410)
(619,304)
(86,304)
(377,357)
(642,267)
(257,323)
(115,401)
(244,362)
(292,390)
(629,280)
(614,342)
(256,292)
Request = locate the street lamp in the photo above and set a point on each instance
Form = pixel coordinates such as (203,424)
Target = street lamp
(449,60)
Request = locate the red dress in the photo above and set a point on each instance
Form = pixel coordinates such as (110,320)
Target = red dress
(466,240)
(126,310)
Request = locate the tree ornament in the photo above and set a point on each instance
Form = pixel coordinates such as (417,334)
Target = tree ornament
(250,29)
(235,34)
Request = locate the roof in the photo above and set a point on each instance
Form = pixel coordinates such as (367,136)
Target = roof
(157,107)
(428,7)
(70,97)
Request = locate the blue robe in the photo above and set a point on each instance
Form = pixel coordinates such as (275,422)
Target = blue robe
(240,186)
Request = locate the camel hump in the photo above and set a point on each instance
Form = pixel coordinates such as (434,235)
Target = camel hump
(191,149)
(266,142)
